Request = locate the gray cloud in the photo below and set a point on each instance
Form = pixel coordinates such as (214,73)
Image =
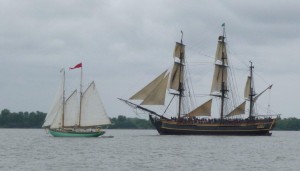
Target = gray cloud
(124,44)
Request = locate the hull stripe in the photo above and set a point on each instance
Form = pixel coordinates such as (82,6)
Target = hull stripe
(214,130)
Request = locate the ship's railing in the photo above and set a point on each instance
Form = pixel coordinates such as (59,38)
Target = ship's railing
(195,120)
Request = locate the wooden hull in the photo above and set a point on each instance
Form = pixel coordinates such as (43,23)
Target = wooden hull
(67,133)
(168,127)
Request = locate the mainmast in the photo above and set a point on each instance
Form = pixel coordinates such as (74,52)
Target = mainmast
(252,94)
(223,67)
(80,108)
(181,89)
(219,82)
(64,97)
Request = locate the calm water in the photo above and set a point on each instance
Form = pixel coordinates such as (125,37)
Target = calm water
(33,149)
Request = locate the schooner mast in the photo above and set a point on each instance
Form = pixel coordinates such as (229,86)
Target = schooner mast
(64,97)
(81,95)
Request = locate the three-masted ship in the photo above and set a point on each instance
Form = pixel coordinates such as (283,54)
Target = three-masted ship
(199,121)
(69,118)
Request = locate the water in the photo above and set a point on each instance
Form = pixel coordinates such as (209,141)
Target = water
(33,149)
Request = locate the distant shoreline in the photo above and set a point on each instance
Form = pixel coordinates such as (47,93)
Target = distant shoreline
(35,120)
(135,129)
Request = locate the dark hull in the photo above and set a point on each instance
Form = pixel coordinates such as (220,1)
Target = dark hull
(168,127)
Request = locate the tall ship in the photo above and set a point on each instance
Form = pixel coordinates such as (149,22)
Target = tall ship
(232,116)
(75,116)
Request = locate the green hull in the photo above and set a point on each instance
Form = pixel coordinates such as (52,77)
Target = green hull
(57,133)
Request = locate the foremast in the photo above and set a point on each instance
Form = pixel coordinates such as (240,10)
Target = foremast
(154,93)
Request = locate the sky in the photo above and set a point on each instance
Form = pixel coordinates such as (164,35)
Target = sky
(123,45)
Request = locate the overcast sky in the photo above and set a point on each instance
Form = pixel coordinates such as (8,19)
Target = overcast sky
(125,44)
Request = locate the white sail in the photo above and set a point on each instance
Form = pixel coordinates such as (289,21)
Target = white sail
(71,113)
(54,111)
(221,64)
(56,108)
(221,51)
(143,93)
(179,50)
(57,122)
(175,76)
(247,88)
(92,109)
(238,110)
(158,94)
(203,110)
(217,78)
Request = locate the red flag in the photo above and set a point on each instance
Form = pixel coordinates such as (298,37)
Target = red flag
(76,66)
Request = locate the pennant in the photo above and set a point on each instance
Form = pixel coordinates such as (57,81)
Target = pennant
(76,66)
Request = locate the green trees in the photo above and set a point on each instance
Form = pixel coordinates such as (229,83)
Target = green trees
(289,124)
(121,122)
(36,119)
(21,119)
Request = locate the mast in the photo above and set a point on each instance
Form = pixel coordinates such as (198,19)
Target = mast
(223,88)
(251,90)
(180,82)
(80,108)
(64,97)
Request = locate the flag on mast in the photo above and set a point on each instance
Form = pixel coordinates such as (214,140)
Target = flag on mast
(76,66)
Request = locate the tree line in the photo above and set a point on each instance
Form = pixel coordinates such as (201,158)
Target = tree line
(36,119)
(288,124)
(21,119)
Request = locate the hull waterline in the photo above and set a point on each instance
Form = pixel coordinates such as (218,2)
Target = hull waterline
(57,133)
(173,128)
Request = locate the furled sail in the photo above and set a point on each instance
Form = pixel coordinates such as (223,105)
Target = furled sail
(247,88)
(217,78)
(92,109)
(57,106)
(179,50)
(158,94)
(238,110)
(203,110)
(257,96)
(175,76)
(143,93)
(71,113)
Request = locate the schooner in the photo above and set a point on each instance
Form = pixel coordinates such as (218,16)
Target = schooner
(69,118)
